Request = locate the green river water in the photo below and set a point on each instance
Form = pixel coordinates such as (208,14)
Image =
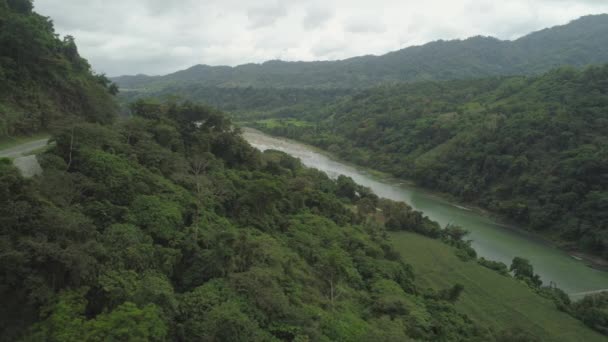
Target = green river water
(491,238)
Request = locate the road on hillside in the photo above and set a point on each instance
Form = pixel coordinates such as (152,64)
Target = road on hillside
(27,164)
(20,150)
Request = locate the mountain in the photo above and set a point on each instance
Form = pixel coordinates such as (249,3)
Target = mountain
(581,42)
(43,79)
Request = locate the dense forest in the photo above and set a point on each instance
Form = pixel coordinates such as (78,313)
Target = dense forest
(170,226)
(581,42)
(253,102)
(43,79)
(531,148)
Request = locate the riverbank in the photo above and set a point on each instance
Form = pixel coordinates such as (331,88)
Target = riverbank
(493,237)
(590,260)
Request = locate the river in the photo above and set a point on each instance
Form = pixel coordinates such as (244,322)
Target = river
(491,239)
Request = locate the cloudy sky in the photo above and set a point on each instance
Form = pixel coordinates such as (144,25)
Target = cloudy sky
(161,36)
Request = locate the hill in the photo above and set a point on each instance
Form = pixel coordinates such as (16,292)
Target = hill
(157,228)
(43,79)
(579,43)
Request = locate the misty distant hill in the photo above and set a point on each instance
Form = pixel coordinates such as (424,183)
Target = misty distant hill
(581,42)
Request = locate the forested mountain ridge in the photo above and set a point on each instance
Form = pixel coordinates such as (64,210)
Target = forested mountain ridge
(241,102)
(43,79)
(581,42)
(531,148)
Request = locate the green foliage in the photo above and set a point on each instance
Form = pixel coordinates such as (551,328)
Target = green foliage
(21,6)
(389,299)
(454,235)
(335,266)
(346,187)
(66,322)
(560,298)
(593,311)
(127,323)
(497,266)
(452,294)
(227,322)
(522,269)
(398,216)
(159,219)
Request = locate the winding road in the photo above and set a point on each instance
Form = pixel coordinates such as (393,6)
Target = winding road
(27,164)
(23,149)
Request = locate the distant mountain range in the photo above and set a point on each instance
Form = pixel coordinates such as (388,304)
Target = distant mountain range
(581,42)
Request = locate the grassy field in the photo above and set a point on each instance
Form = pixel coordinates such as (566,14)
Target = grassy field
(14,141)
(491,299)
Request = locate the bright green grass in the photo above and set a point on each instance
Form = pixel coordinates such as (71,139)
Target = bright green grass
(490,299)
(14,141)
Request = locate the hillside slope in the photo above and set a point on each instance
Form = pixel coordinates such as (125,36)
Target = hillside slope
(581,42)
(159,229)
(43,79)
(491,299)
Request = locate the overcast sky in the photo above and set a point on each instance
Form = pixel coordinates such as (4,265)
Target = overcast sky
(161,36)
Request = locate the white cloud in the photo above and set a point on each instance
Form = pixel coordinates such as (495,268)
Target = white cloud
(159,36)
(316,18)
(329,48)
(263,16)
(365,24)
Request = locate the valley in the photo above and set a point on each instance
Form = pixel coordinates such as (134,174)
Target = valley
(492,239)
